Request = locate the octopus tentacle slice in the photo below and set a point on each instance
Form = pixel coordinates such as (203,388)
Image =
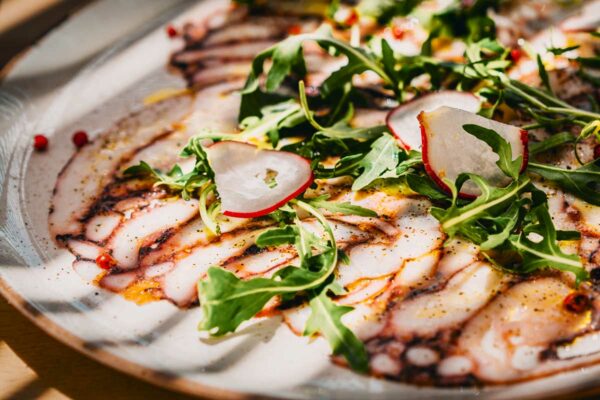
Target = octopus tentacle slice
(462,296)
(82,180)
(507,339)
(145,226)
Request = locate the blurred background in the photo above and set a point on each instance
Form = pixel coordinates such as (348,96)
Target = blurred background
(23,22)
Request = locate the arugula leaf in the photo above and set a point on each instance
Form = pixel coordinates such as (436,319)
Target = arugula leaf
(492,203)
(285,114)
(143,169)
(345,166)
(504,225)
(340,130)
(176,180)
(305,242)
(227,301)
(287,57)
(277,236)
(543,251)
(500,146)
(505,219)
(591,128)
(543,74)
(553,141)
(568,235)
(557,51)
(422,184)
(458,21)
(590,62)
(326,319)
(412,160)
(380,162)
(341,207)
(583,182)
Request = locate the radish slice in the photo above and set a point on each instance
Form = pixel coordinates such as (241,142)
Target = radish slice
(253,182)
(449,151)
(402,121)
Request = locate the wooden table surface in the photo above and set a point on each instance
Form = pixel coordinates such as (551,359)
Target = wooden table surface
(35,366)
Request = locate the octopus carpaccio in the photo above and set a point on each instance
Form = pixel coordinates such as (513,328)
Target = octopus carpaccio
(429,311)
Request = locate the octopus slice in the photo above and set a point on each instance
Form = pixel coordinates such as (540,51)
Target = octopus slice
(418,234)
(508,339)
(241,51)
(100,226)
(145,226)
(463,295)
(91,169)
(179,284)
(186,238)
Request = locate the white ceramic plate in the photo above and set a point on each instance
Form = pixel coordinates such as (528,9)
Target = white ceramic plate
(92,70)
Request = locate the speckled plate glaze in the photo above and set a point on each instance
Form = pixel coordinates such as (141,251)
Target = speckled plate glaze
(92,70)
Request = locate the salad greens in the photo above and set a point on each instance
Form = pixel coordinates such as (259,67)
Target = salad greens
(511,224)
(227,301)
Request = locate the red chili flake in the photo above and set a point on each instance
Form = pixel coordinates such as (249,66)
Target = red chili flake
(80,138)
(398,32)
(576,302)
(105,261)
(596,151)
(516,54)
(294,30)
(352,18)
(40,142)
(172,31)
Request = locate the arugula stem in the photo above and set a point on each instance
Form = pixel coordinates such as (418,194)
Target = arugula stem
(205,213)
(574,111)
(533,96)
(471,213)
(269,124)
(526,96)
(324,223)
(306,109)
(541,94)
(546,256)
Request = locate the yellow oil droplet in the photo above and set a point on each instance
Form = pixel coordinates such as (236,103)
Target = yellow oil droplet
(143,292)
(178,126)
(439,44)
(210,235)
(261,143)
(508,114)
(397,189)
(99,277)
(163,94)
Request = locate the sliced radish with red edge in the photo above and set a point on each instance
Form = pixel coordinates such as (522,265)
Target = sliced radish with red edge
(252,182)
(448,150)
(402,121)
